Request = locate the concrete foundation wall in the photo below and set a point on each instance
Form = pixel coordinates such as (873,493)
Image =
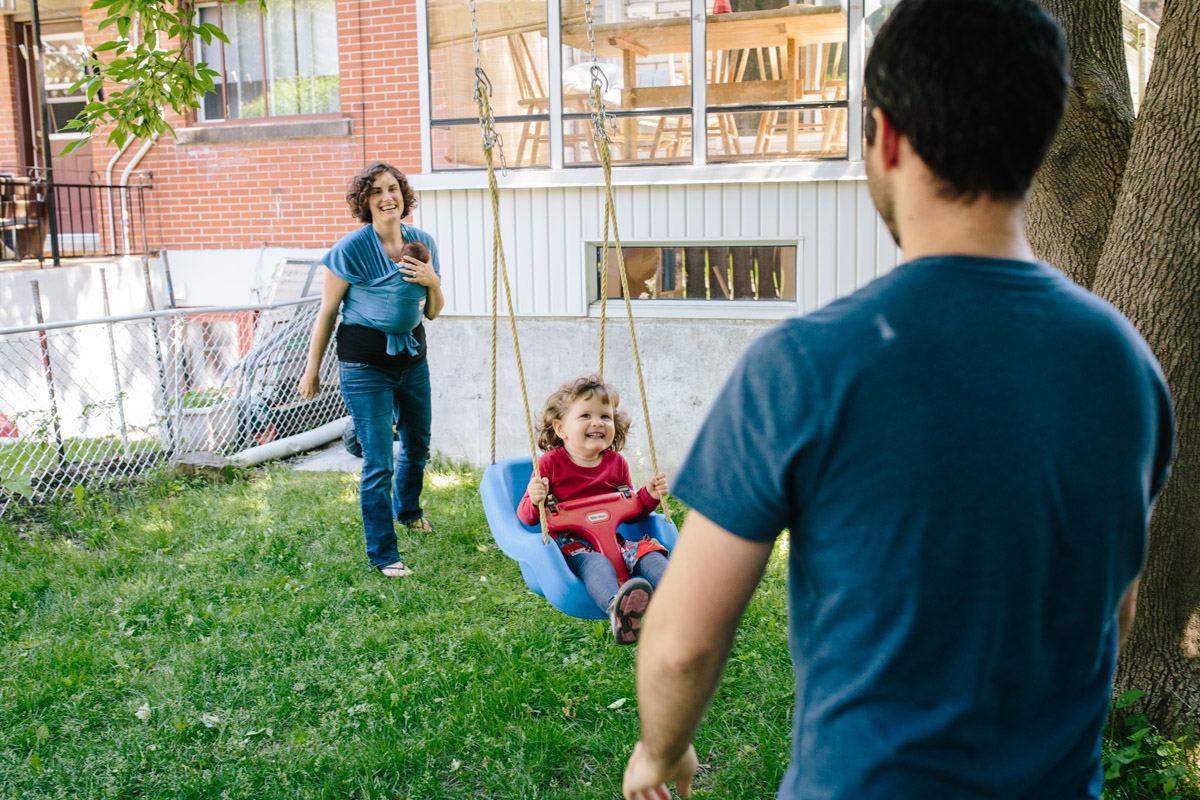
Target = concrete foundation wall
(684,363)
(77,292)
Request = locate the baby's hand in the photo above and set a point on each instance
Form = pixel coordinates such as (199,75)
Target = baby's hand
(539,488)
(657,486)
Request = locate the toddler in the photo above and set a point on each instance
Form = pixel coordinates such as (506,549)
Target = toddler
(582,429)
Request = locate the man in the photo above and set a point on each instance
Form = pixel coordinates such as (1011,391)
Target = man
(965,453)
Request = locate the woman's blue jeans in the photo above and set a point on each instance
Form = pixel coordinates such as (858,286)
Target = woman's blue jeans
(379,398)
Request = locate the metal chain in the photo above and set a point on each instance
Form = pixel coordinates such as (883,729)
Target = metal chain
(483,91)
(601,120)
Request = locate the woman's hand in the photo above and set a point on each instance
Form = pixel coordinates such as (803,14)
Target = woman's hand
(657,486)
(539,490)
(417,271)
(309,385)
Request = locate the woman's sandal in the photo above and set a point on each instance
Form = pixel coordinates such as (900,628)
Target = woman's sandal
(397,570)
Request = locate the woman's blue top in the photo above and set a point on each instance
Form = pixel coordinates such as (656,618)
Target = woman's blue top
(379,296)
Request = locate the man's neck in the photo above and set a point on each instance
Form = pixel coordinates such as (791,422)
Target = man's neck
(984,227)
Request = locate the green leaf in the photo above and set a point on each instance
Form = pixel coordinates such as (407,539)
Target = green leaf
(1129,698)
(19,484)
(215,31)
(113,45)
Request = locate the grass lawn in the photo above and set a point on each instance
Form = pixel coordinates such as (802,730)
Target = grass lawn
(192,641)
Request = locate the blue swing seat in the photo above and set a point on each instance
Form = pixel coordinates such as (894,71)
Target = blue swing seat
(542,565)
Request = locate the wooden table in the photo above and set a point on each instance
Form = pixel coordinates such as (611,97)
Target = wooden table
(790,28)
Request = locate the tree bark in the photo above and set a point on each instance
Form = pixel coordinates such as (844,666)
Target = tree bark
(1149,270)
(1075,191)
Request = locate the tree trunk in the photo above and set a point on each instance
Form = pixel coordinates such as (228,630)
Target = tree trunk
(1149,270)
(1075,191)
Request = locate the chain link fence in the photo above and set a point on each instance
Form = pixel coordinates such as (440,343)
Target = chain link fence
(88,402)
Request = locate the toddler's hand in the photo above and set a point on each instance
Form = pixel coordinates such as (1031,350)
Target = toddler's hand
(657,486)
(539,488)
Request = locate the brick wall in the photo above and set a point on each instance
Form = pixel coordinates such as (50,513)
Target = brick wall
(289,192)
(9,157)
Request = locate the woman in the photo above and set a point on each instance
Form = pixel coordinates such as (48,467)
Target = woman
(382,294)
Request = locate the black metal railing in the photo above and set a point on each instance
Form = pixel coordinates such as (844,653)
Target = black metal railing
(93,219)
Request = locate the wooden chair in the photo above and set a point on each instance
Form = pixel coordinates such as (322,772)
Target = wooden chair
(20,221)
(817,70)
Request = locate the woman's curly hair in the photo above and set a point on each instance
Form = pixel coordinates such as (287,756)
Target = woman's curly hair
(358,194)
(585,387)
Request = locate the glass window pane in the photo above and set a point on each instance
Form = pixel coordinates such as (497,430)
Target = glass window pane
(245,69)
(642,52)
(63,111)
(512,48)
(212,105)
(648,138)
(770,52)
(525,144)
(703,272)
(62,58)
(758,135)
(302,48)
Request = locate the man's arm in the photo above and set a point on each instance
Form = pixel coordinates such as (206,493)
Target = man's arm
(686,638)
(1126,613)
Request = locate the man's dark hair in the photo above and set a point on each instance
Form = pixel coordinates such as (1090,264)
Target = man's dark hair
(977,86)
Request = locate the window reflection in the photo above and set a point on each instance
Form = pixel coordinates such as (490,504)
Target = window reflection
(512,51)
(789,62)
(703,272)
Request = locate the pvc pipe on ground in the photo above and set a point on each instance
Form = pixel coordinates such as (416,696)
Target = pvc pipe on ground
(291,445)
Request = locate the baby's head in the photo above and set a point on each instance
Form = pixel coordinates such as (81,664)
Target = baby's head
(559,405)
(415,249)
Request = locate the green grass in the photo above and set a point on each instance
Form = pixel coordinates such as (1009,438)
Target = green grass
(24,459)
(192,641)
(182,640)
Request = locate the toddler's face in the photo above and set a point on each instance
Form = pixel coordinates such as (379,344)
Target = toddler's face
(587,429)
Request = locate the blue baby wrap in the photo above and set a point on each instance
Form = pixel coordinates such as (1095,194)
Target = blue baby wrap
(378,296)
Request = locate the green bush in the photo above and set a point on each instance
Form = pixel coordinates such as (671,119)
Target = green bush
(1140,763)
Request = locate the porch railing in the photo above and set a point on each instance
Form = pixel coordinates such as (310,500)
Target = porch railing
(93,219)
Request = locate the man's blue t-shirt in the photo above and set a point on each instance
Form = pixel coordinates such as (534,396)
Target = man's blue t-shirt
(965,452)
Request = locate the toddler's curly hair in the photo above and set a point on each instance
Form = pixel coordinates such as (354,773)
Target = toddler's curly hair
(585,387)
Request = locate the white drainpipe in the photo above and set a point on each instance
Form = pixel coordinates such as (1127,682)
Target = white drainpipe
(112,221)
(125,192)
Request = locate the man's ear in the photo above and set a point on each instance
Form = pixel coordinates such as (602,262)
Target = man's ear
(887,138)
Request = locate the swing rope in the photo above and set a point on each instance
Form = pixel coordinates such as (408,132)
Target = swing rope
(492,139)
(600,123)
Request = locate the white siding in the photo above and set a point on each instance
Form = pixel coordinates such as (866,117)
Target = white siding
(841,243)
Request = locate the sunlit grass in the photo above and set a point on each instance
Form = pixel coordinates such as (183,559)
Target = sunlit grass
(194,641)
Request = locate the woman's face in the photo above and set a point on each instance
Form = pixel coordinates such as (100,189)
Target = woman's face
(386,201)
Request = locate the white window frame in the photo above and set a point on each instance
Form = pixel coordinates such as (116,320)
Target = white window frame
(699,171)
(265,51)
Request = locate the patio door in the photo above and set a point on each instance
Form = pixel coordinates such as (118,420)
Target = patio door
(63,57)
